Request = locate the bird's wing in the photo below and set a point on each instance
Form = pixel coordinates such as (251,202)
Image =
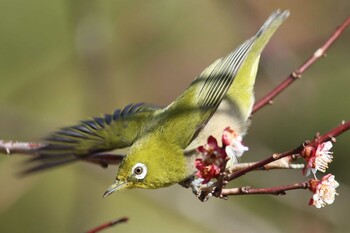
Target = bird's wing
(90,137)
(201,100)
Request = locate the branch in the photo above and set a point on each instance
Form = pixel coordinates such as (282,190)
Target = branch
(283,163)
(107,225)
(221,179)
(264,162)
(330,135)
(280,190)
(268,99)
(30,148)
(319,139)
(11,147)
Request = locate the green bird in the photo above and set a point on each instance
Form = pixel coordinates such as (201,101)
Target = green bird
(163,141)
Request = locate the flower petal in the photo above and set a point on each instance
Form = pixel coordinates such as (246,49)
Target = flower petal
(324,191)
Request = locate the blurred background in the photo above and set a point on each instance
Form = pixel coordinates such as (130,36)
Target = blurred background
(62,61)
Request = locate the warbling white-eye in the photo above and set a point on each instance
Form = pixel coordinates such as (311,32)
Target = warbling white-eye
(163,141)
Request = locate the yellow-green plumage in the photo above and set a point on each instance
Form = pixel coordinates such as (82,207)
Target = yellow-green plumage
(163,141)
(99,134)
(221,96)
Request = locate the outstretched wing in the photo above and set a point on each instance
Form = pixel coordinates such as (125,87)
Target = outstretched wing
(199,102)
(203,97)
(96,135)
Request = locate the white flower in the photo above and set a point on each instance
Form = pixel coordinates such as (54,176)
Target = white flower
(234,147)
(324,191)
(323,156)
(317,159)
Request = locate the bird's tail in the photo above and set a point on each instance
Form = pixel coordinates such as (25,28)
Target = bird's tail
(268,29)
(241,90)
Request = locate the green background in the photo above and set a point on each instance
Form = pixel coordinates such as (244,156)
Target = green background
(61,61)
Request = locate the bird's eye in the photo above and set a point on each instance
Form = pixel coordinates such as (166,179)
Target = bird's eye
(139,171)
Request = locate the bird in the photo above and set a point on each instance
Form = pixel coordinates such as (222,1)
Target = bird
(163,141)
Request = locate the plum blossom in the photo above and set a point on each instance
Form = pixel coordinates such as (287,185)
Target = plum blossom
(234,147)
(209,165)
(317,159)
(206,171)
(324,191)
(213,156)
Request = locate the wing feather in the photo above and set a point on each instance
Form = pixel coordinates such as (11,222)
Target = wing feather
(90,137)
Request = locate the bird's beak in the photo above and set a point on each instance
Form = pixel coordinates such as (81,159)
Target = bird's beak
(117,185)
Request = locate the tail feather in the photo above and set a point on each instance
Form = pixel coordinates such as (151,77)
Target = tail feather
(47,165)
(276,18)
(241,90)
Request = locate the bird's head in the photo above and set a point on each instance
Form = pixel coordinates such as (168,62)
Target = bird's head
(150,166)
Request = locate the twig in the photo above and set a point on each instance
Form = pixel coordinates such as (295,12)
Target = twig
(330,135)
(107,225)
(30,148)
(221,179)
(268,99)
(11,147)
(283,163)
(264,162)
(280,190)
(325,137)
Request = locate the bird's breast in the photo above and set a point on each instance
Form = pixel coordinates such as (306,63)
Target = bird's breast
(227,115)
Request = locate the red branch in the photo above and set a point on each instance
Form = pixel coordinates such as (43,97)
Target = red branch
(280,190)
(107,225)
(330,135)
(298,72)
(325,137)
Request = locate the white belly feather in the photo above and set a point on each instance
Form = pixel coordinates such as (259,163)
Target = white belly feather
(227,115)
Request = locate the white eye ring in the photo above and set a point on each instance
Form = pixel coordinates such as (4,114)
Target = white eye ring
(139,171)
